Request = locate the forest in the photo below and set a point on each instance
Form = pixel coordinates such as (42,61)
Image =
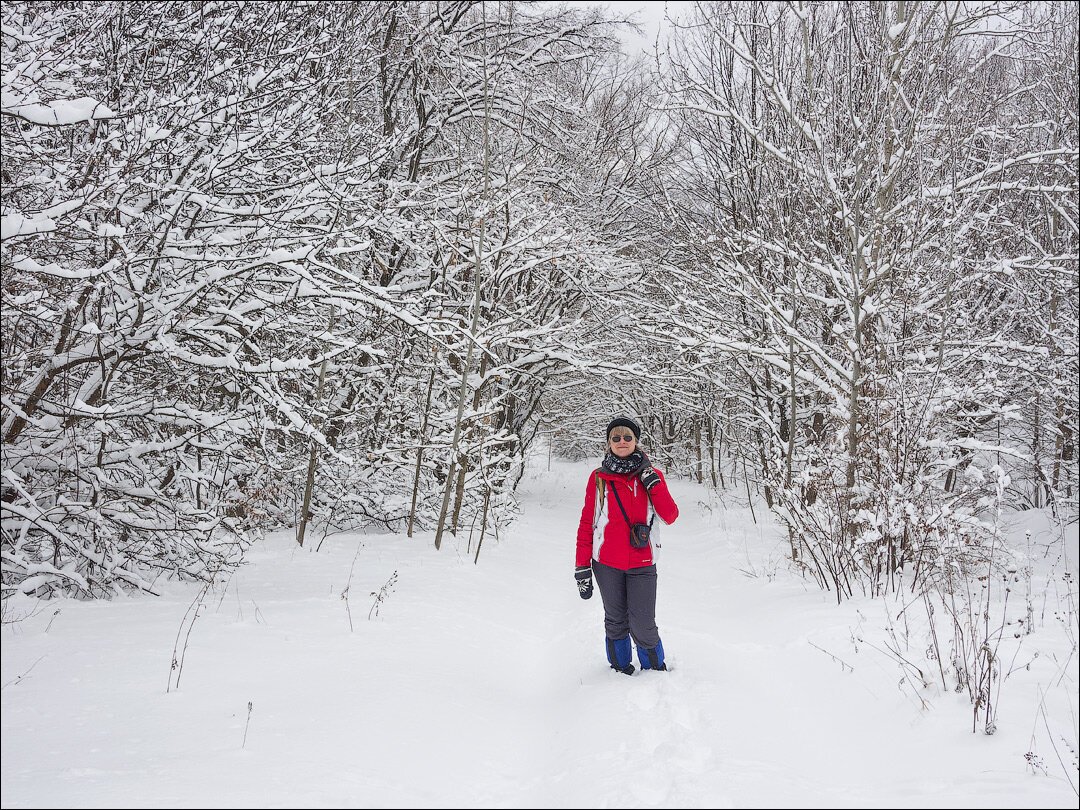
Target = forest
(328,266)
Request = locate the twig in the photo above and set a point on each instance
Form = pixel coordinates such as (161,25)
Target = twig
(53,619)
(176,665)
(248,723)
(840,661)
(348,584)
(382,595)
(1050,734)
(15,681)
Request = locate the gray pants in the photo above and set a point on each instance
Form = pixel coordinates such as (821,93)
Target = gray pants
(629,603)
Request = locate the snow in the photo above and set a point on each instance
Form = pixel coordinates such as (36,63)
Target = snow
(15,224)
(60,112)
(486,685)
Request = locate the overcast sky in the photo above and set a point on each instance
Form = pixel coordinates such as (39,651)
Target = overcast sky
(650,17)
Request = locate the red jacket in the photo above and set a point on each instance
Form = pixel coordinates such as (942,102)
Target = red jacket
(615,549)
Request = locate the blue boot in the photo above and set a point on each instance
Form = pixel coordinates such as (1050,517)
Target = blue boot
(652,657)
(619,655)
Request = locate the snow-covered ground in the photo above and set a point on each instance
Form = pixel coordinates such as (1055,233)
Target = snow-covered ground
(486,685)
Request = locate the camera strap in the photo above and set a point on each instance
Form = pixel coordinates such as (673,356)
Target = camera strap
(626,517)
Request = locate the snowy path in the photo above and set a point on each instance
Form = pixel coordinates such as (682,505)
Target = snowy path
(487,686)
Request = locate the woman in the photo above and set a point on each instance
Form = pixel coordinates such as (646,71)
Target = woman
(624,569)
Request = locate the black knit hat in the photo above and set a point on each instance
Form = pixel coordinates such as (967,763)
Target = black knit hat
(623,421)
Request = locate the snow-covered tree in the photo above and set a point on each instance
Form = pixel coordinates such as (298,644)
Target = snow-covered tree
(850,196)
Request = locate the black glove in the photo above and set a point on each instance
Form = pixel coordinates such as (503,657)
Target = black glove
(583,575)
(649,477)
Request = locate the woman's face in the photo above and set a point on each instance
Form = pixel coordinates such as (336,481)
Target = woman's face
(622,441)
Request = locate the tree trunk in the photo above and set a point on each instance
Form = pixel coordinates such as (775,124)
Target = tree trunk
(420,450)
(475,306)
(309,485)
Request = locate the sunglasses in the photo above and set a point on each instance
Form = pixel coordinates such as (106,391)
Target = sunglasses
(615,437)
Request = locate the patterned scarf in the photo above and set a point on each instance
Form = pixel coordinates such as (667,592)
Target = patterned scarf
(624,466)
